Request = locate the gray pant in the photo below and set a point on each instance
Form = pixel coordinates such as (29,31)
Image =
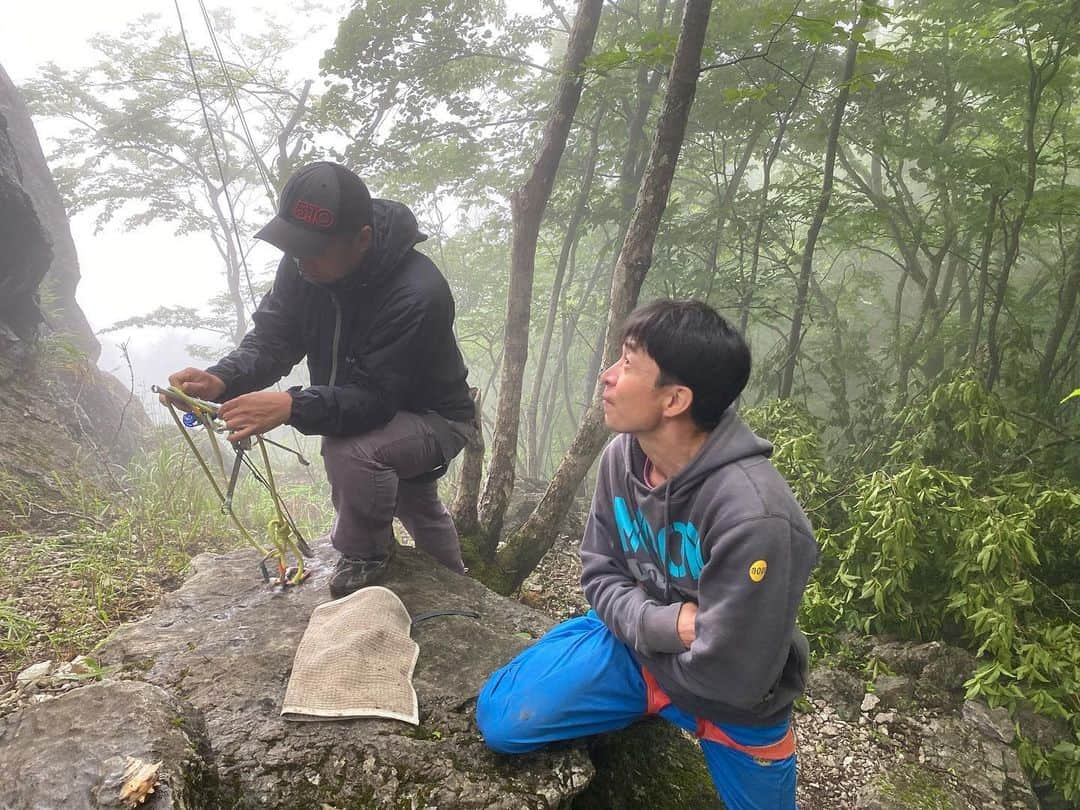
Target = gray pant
(369,485)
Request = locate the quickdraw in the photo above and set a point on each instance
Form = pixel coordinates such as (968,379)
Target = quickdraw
(284,536)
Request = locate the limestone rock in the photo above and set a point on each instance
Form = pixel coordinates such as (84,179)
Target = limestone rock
(26,246)
(986,767)
(994,723)
(33,674)
(55,262)
(904,658)
(894,691)
(907,788)
(626,779)
(941,684)
(842,690)
(73,752)
(61,414)
(884,718)
(1045,732)
(948,669)
(225,643)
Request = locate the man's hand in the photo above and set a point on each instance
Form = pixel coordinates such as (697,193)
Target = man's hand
(197,383)
(252,414)
(686,622)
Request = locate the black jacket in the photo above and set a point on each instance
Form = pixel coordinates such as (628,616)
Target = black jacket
(378,341)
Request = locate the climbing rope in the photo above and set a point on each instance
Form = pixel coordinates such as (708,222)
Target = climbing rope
(217,157)
(249,140)
(249,143)
(283,536)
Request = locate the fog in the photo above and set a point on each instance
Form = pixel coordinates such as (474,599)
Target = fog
(130,273)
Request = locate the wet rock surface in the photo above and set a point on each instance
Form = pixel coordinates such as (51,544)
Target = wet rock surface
(73,751)
(842,690)
(63,420)
(894,691)
(221,649)
(225,643)
(29,199)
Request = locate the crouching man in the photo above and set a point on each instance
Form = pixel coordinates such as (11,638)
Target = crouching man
(374,317)
(695,557)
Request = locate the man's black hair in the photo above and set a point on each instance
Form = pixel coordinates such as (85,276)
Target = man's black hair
(695,346)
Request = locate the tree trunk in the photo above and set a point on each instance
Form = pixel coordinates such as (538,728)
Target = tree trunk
(802,288)
(232,269)
(1067,369)
(766,185)
(938,351)
(527,206)
(1066,310)
(562,369)
(836,376)
(581,205)
(993,349)
(929,307)
(285,162)
(527,546)
(1039,76)
(463,509)
(724,200)
(984,279)
(630,172)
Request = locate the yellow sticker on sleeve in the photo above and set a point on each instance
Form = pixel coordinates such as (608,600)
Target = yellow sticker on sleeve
(757,570)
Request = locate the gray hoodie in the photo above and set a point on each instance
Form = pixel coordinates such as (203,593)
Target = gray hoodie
(726,533)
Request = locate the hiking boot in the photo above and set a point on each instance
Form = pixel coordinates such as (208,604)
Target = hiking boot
(353,573)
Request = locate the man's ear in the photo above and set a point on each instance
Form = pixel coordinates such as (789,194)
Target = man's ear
(365,238)
(678,402)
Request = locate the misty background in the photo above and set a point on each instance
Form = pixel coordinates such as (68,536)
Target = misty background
(130,273)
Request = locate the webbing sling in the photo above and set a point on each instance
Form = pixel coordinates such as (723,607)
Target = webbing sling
(656,700)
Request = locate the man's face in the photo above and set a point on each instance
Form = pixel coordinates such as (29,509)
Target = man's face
(340,258)
(632,401)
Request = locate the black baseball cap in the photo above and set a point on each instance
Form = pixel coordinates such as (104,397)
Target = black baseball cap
(320,201)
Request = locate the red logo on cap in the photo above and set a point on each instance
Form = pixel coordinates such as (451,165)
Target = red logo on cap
(312,214)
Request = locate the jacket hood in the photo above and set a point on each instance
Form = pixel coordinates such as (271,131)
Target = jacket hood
(730,441)
(395,232)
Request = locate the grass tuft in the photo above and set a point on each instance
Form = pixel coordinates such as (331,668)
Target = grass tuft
(105,557)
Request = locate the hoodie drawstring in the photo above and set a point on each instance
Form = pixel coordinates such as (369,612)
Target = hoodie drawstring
(660,560)
(643,528)
(668,532)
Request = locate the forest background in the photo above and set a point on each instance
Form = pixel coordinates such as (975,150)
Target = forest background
(882,196)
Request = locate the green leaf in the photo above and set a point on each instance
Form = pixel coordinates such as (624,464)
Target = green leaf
(817,31)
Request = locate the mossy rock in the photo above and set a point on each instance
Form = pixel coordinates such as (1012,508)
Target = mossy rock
(909,788)
(627,766)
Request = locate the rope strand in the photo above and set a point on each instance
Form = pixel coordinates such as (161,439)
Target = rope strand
(217,158)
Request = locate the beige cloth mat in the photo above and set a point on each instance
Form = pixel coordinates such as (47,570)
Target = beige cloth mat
(356,659)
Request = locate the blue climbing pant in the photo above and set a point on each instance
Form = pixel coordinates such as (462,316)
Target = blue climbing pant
(579,680)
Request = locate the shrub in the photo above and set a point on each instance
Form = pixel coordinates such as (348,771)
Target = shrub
(960,536)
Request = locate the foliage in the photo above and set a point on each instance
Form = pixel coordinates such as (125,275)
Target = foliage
(431,83)
(950,539)
(137,148)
